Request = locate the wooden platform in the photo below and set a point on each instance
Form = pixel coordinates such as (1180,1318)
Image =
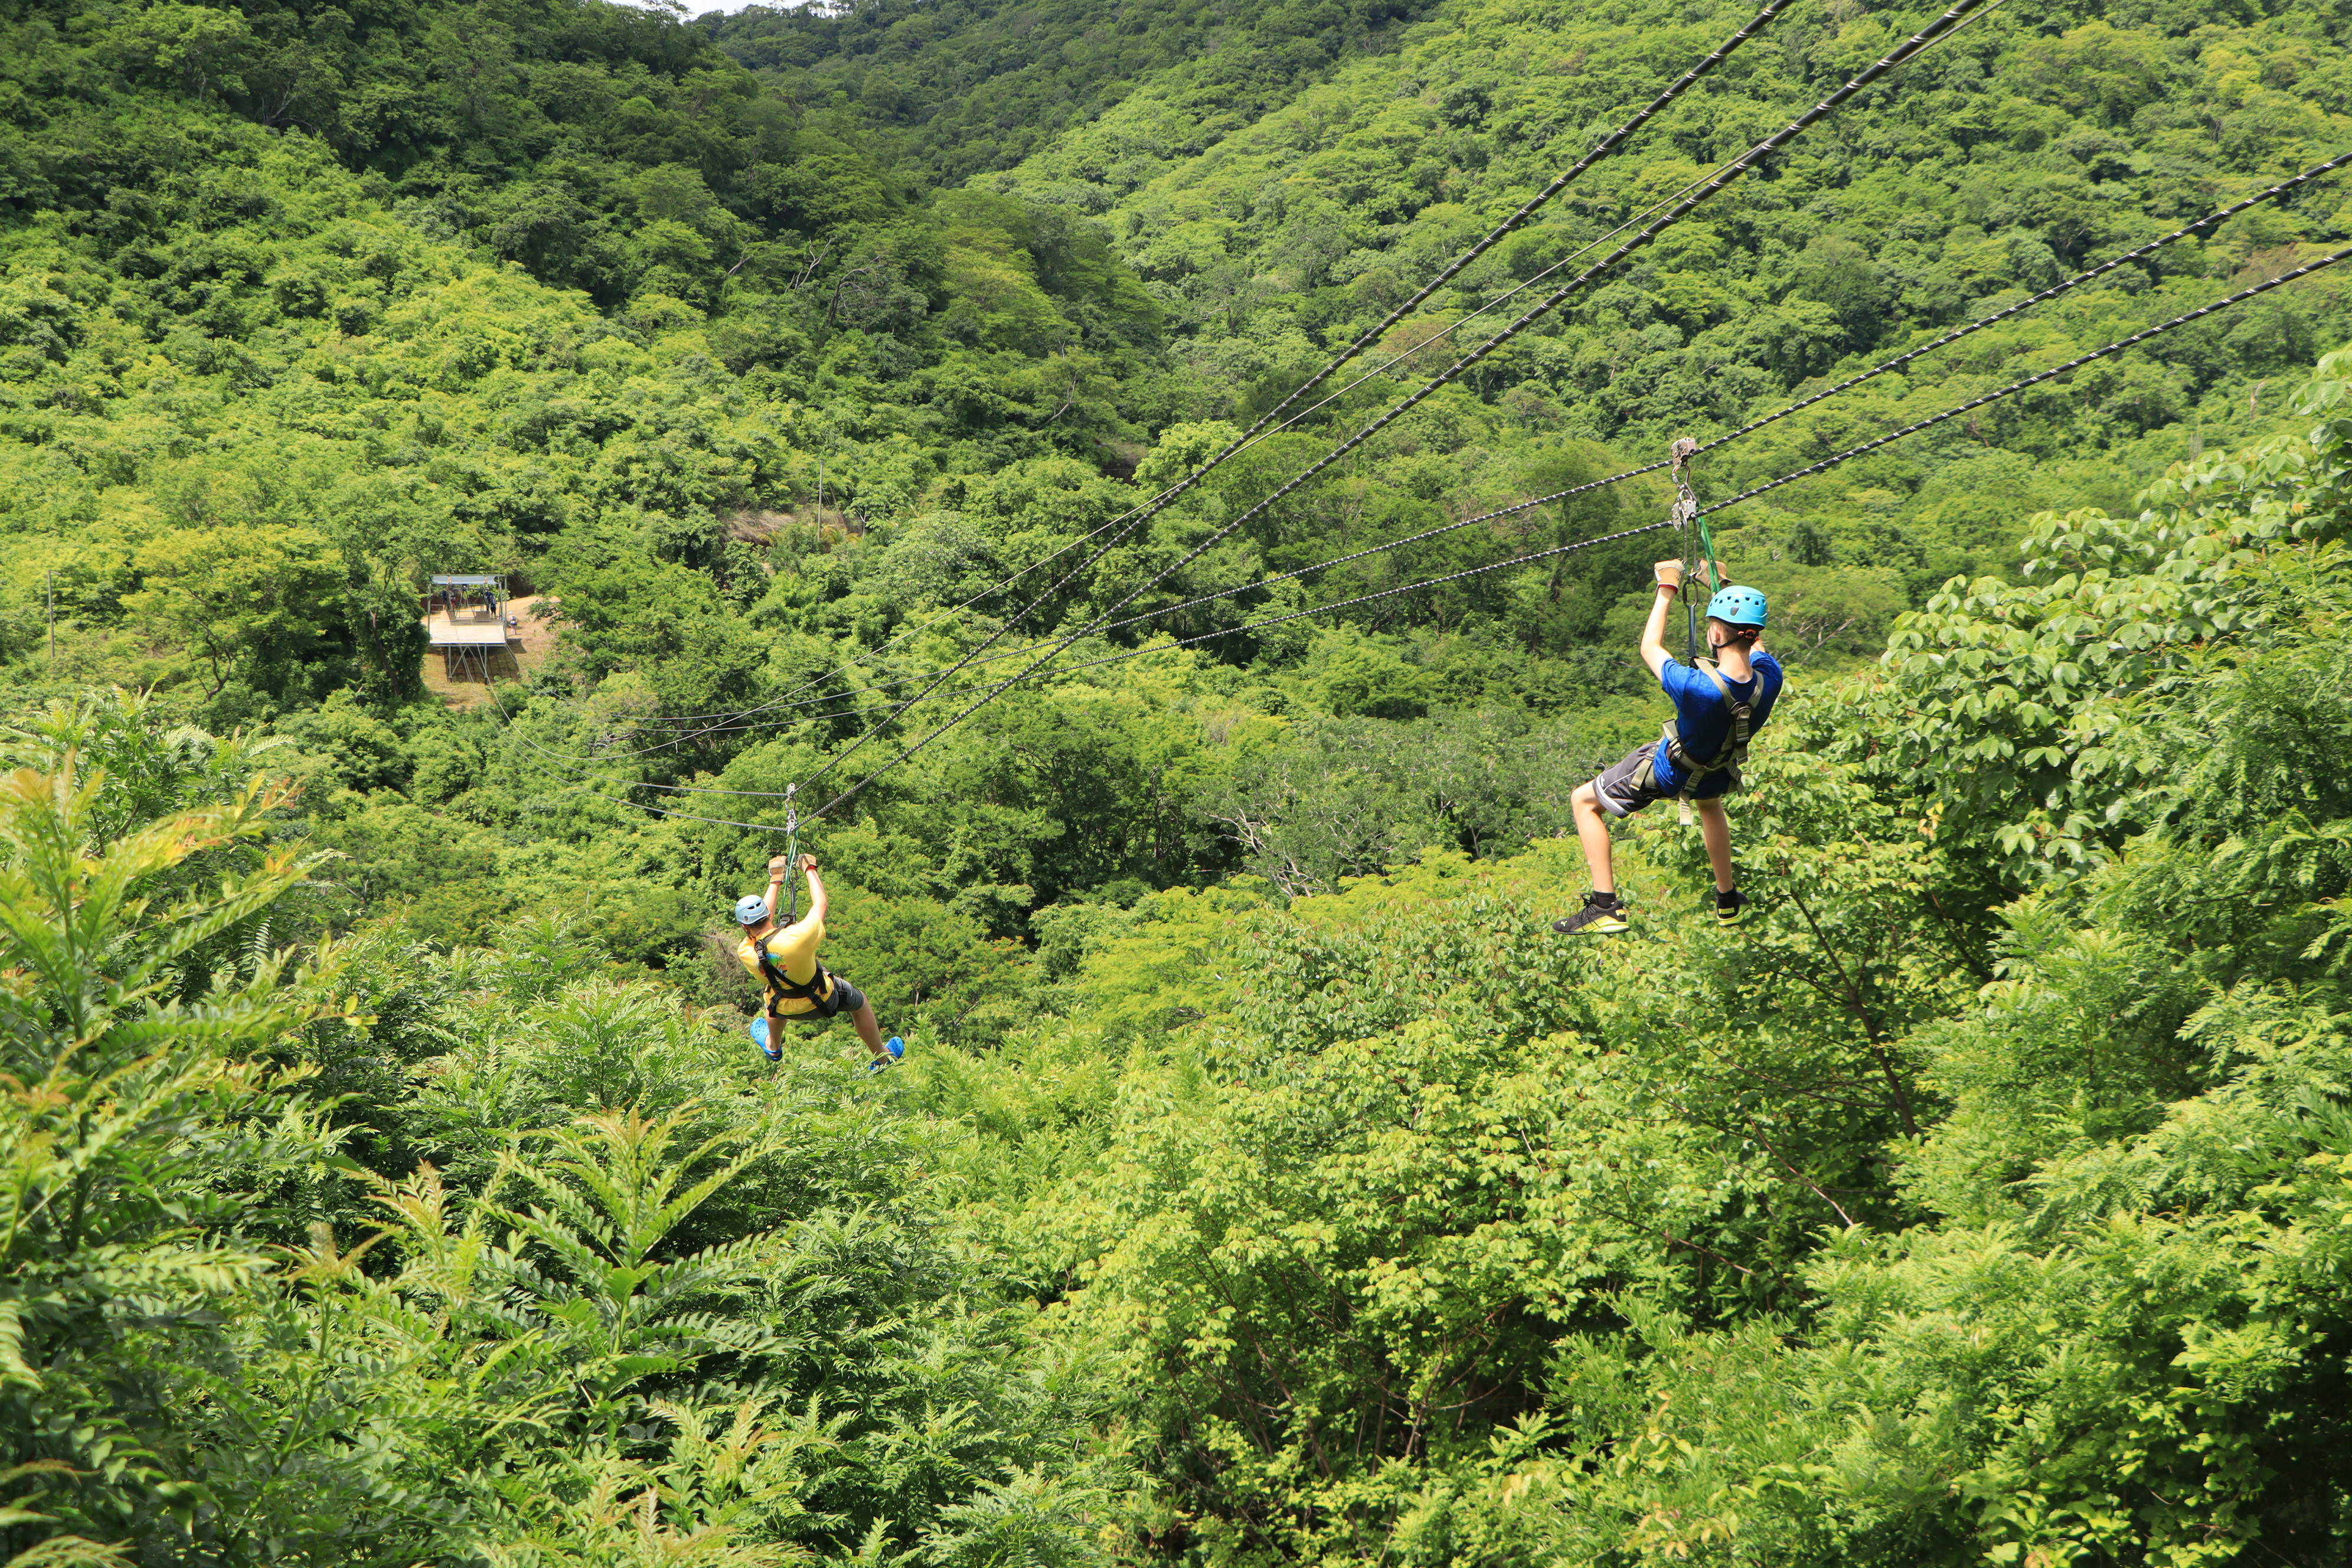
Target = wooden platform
(499,654)
(471,642)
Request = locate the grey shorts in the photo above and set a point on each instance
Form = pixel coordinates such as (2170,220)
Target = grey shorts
(843,998)
(1627,787)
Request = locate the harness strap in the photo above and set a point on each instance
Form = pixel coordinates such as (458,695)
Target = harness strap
(1734,754)
(820,988)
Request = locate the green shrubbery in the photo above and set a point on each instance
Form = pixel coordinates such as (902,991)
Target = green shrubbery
(393,1256)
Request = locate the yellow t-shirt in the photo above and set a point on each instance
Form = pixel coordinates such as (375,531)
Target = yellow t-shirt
(794,951)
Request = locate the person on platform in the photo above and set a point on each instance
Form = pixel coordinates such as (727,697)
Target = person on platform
(794,981)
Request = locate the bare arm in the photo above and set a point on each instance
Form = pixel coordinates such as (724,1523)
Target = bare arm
(816,889)
(1669,574)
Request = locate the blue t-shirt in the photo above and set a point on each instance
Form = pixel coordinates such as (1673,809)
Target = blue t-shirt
(1705,723)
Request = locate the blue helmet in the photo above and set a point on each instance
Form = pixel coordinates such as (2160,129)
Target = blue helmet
(751,910)
(1738,606)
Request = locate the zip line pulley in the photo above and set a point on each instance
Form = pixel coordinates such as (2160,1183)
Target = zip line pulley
(1699,555)
(1699,550)
(792,854)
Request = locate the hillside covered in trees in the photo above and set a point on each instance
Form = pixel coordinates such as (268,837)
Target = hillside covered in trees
(390,1180)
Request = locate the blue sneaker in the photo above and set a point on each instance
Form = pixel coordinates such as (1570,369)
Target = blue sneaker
(896,1047)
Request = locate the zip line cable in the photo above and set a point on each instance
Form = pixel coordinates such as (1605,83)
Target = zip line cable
(1943,28)
(1143,514)
(1907,356)
(2013,388)
(1959,16)
(1929,36)
(1608,143)
(783,703)
(2091,275)
(1689,197)
(2119,346)
(2315,172)
(1250,438)
(1496,236)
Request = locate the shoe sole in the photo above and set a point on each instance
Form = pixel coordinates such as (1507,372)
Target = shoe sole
(1598,928)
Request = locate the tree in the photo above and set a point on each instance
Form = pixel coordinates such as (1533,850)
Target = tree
(117,1227)
(240,596)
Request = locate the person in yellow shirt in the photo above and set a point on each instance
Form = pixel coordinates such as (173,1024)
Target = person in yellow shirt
(785,962)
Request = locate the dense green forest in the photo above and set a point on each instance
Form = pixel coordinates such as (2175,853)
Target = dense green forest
(389,1179)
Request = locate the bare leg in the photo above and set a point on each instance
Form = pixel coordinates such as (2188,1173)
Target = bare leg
(1715,826)
(1592,832)
(868,1029)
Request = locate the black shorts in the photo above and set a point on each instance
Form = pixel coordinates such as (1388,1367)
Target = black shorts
(843,998)
(1628,787)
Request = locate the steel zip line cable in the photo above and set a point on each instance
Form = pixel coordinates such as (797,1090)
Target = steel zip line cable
(2220,215)
(1501,231)
(2090,275)
(2104,267)
(1609,143)
(2119,346)
(2077,362)
(2109,350)
(1258,431)
(1494,237)
(1143,514)
(1927,38)
(784,702)
(2023,383)
(1959,16)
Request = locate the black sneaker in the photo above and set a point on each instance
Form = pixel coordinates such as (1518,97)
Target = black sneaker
(1730,908)
(1595,919)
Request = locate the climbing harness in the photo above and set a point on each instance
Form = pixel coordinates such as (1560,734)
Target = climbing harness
(1734,755)
(820,989)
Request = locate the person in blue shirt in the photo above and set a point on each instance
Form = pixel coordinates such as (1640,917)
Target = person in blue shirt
(1718,706)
